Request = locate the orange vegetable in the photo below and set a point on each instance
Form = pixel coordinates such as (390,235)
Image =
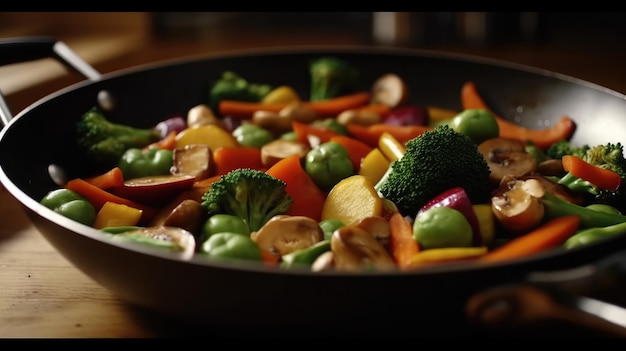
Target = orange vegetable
(108,180)
(308,199)
(305,132)
(371,134)
(543,138)
(601,177)
(401,242)
(230,158)
(168,142)
(116,215)
(356,149)
(547,236)
(323,108)
(269,258)
(98,197)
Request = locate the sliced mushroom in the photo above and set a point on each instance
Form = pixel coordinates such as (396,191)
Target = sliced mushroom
(557,189)
(390,90)
(354,249)
(272,121)
(378,227)
(324,262)
(284,234)
(360,117)
(174,239)
(192,159)
(506,157)
(278,149)
(299,112)
(202,115)
(188,215)
(517,205)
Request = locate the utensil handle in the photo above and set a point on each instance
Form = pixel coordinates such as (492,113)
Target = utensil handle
(589,297)
(15,50)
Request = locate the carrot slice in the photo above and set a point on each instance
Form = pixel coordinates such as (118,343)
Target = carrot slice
(98,197)
(543,138)
(228,158)
(108,180)
(546,236)
(371,134)
(402,244)
(308,199)
(601,177)
(323,108)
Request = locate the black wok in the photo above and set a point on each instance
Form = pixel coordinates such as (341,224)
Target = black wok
(425,302)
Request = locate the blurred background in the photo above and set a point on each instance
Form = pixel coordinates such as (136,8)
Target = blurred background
(586,45)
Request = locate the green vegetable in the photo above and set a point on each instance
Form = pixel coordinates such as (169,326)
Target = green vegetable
(610,156)
(120,229)
(104,142)
(592,235)
(536,152)
(329,226)
(332,77)
(436,161)
(231,86)
(565,147)
(440,227)
(252,135)
(136,163)
(327,164)
(220,223)
(554,207)
(478,124)
(604,208)
(249,194)
(332,124)
(305,257)
(231,246)
(71,205)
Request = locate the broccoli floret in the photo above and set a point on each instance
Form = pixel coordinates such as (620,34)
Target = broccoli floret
(433,163)
(249,194)
(565,147)
(104,142)
(610,156)
(332,77)
(231,86)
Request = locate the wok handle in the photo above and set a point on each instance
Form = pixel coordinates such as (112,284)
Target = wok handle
(15,50)
(590,298)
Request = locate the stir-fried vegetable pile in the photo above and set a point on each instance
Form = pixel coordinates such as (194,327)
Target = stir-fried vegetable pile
(345,179)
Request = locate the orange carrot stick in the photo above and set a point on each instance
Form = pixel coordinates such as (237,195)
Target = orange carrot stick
(323,108)
(601,177)
(110,179)
(306,131)
(543,138)
(402,244)
(308,199)
(371,134)
(546,236)
(98,197)
(227,159)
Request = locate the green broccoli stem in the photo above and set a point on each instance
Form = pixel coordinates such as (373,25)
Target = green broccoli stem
(554,207)
(591,235)
(578,184)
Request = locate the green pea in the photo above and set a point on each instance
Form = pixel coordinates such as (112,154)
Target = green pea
(220,223)
(440,227)
(231,246)
(478,124)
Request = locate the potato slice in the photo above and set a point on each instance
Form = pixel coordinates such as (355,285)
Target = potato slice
(352,199)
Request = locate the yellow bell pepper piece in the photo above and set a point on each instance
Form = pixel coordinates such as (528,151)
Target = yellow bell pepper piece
(115,215)
(447,254)
(374,165)
(391,147)
(281,94)
(486,222)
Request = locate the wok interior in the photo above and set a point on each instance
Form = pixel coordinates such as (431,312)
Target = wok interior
(44,134)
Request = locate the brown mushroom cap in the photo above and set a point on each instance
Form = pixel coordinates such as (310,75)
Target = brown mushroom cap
(354,249)
(284,234)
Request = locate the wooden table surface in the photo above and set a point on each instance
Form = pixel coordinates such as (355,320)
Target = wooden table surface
(42,295)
